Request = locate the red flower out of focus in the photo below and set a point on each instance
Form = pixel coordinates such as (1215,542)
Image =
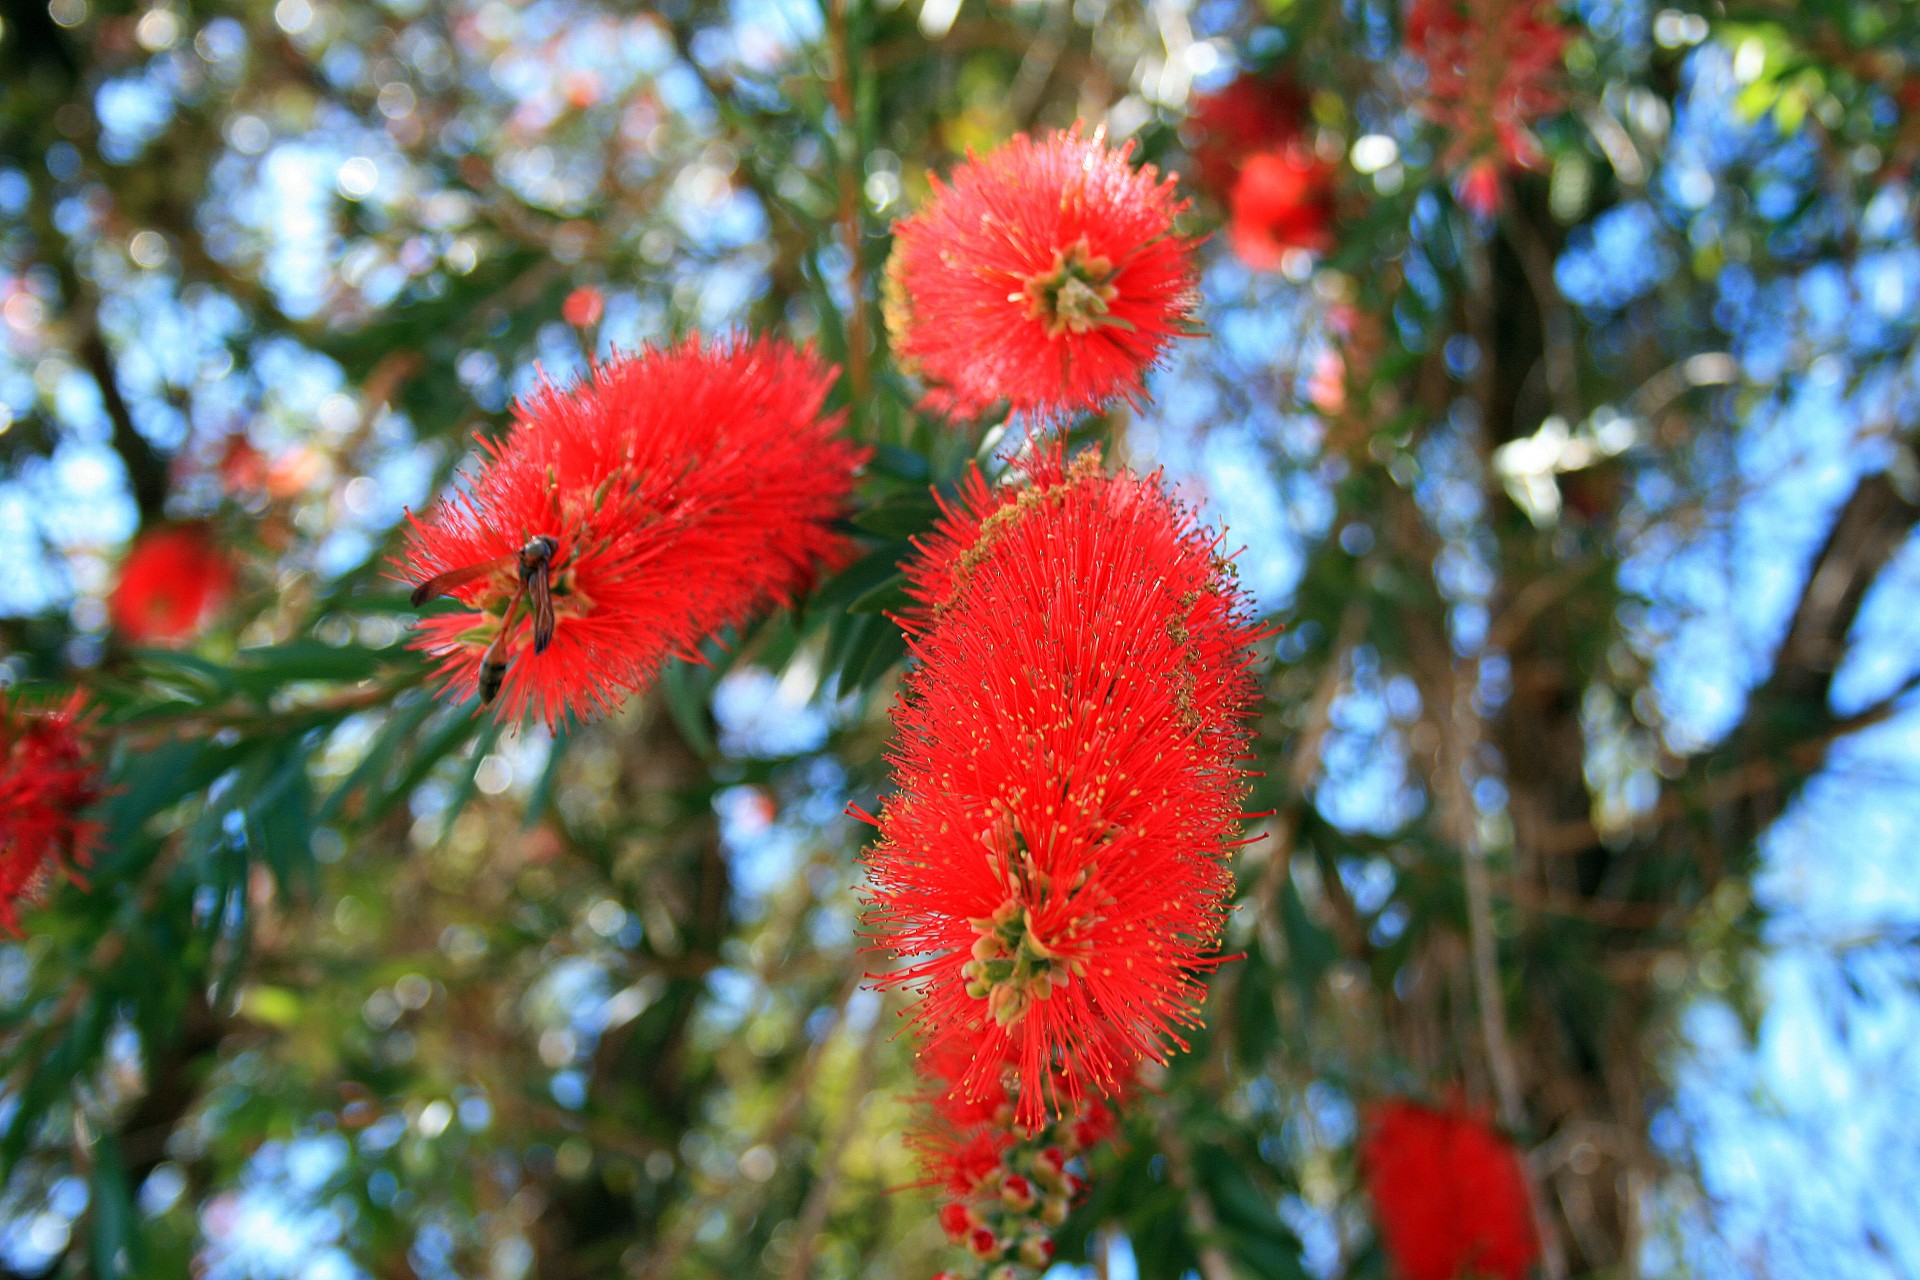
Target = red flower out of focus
(583,307)
(1253,115)
(1493,69)
(1046,274)
(1250,147)
(242,468)
(682,489)
(1282,202)
(1069,771)
(46,782)
(1449,1193)
(173,581)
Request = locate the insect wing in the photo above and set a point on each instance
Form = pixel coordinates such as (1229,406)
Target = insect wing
(453,579)
(540,591)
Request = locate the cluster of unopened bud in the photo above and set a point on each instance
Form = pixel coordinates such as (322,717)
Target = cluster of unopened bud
(1006,1220)
(1072,296)
(1011,967)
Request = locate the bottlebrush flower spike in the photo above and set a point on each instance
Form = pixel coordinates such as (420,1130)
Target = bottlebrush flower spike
(1046,274)
(1008,1188)
(1493,70)
(47,781)
(1069,778)
(1449,1193)
(172,582)
(681,491)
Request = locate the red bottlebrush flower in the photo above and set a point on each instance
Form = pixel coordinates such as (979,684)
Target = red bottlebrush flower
(1449,1193)
(1493,69)
(1253,115)
(583,307)
(1046,274)
(172,582)
(46,782)
(1282,201)
(679,491)
(1070,777)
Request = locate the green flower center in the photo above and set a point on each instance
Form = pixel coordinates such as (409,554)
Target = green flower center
(1072,296)
(1011,967)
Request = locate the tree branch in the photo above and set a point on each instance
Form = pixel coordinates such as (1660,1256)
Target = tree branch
(1871,526)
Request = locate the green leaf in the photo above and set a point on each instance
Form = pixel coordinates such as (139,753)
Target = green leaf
(1236,1200)
(901,464)
(1311,950)
(266,669)
(200,681)
(1266,1257)
(685,691)
(464,790)
(848,636)
(156,778)
(274,1007)
(900,517)
(542,794)
(832,332)
(402,723)
(115,1230)
(887,597)
(855,580)
(460,725)
(279,819)
(887,647)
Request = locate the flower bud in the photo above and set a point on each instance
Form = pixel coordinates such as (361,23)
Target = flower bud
(1036,1251)
(1050,1167)
(956,1220)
